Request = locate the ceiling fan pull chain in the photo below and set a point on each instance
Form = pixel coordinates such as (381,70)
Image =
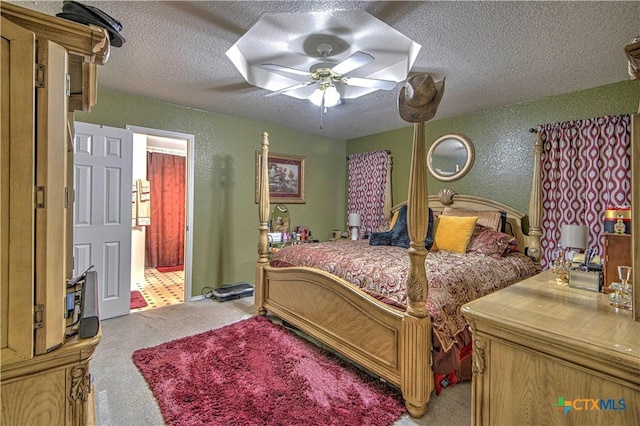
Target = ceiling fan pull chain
(322,108)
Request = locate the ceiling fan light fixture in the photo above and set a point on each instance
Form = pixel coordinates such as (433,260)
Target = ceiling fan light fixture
(331,96)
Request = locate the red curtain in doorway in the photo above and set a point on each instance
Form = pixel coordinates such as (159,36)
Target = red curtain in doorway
(165,235)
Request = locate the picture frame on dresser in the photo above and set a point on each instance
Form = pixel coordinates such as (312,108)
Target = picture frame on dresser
(286,178)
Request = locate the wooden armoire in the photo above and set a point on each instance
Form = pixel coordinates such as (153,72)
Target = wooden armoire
(49,70)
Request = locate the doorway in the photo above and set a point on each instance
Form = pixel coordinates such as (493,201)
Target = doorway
(154,283)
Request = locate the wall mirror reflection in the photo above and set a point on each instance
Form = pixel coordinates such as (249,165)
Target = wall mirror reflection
(450,157)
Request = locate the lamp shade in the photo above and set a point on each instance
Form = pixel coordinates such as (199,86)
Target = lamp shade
(354,219)
(331,96)
(574,236)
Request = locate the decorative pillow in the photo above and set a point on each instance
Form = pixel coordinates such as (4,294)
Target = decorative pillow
(479,229)
(503,222)
(452,233)
(380,238)
(399,235)
(384,225)
(394,218)
(493,243)
(387,224)
(428,241)
(490,218)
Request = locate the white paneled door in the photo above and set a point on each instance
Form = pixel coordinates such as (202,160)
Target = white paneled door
(102,212)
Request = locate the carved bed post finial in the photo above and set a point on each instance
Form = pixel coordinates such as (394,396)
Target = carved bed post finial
(534,248)
(263,229)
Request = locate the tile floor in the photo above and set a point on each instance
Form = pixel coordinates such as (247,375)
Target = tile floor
(161,289)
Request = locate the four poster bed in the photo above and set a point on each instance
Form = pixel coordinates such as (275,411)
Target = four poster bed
(391,334)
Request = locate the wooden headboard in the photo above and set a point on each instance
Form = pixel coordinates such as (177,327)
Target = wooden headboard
(448,198)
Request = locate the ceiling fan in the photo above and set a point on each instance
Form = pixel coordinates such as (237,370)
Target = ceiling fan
(327,78)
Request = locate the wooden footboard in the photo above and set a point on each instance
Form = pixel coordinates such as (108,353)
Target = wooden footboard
(338,314)
(381,339)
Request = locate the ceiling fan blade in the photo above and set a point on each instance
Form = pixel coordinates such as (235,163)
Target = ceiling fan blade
(234,87)
(288,70)
(369,82)
(353,62)
(290,88)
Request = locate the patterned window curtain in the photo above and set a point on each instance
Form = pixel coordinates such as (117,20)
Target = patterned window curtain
(586,167)
(367,184)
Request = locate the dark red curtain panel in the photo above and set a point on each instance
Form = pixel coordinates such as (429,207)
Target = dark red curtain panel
(165,235)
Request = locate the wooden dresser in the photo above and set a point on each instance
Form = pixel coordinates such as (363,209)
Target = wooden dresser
(48,71)
(617,252)
(545,353)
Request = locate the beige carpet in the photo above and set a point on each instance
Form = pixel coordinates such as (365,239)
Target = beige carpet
(123,398)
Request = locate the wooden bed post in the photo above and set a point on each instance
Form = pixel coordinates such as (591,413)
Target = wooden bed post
(417,103)
(263,215)
(416,373)
(534,250)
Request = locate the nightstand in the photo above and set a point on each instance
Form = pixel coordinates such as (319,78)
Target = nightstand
(617,252)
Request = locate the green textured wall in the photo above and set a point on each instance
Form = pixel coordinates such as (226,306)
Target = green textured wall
(225,219)
(504,147)
(225,214)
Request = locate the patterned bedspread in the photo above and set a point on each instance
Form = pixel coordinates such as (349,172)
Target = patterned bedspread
(454,279)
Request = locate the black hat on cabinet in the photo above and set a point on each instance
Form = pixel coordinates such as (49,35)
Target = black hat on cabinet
(84,14)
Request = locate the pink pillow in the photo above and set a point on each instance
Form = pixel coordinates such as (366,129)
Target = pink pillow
(493,243)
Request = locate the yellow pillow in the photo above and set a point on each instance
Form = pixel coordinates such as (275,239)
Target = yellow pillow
(394,218)
(452,233)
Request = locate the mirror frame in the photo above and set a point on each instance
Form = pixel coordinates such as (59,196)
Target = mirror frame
(471,155)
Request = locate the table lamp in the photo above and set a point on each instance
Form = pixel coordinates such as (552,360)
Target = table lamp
(353,222)
(574,238)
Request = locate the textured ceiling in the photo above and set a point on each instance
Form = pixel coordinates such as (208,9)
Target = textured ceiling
(491,53)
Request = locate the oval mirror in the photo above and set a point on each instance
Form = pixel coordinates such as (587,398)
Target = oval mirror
(450,157)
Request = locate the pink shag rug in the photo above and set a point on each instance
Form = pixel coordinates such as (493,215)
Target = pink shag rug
(137,300)
(254,372)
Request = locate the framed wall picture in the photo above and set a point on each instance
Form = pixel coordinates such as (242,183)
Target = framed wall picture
(286,178)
